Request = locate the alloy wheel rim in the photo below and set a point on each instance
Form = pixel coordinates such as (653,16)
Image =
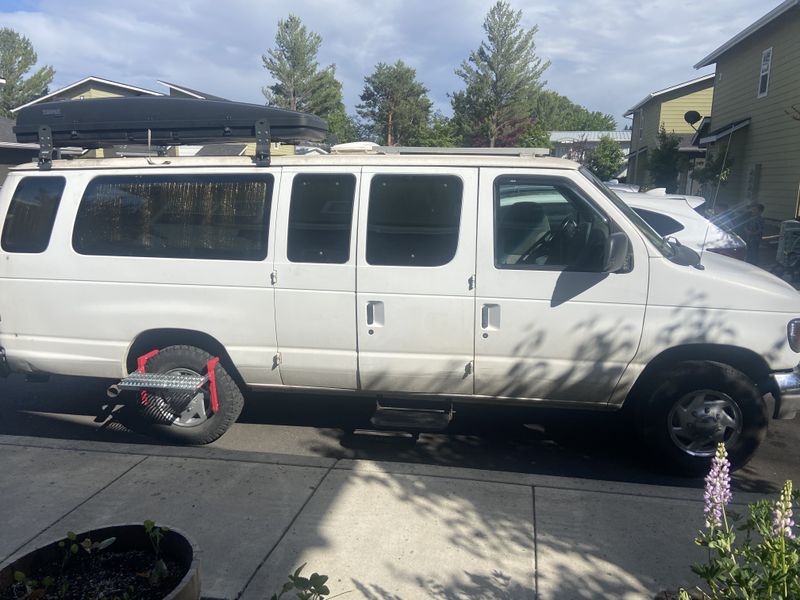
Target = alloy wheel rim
(702,419)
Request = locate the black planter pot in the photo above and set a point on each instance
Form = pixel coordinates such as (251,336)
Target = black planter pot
(174,546)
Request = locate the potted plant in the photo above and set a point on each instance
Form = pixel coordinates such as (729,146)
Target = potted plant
(122,562)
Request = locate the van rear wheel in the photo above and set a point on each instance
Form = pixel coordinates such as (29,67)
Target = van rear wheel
(189,419)
(696,405)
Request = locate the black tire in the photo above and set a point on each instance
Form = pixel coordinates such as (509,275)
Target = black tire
(229,397)
(730,409)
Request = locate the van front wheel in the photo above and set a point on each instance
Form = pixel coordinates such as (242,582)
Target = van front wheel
(697,405)
(189,419)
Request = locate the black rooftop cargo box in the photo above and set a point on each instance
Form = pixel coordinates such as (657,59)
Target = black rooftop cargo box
(104,121)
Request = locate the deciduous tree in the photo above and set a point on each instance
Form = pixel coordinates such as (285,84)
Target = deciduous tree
(558,113)
(607,158)
(394,104)
(17,57)
(501,78)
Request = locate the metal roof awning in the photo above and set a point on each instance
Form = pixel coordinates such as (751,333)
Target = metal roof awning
(636,152)
(724,131)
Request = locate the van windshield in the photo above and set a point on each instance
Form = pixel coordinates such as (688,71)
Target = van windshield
(631,215)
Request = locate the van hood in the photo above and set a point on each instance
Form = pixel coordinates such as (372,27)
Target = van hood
(722,282)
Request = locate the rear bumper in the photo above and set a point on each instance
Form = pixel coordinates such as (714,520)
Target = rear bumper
(787,386)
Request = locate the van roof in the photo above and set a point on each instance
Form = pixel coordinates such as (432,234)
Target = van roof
(429,160)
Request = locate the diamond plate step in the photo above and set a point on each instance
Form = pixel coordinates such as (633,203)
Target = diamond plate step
(160,381)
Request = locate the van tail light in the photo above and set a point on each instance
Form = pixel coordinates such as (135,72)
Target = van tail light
(793,334)
(734,252)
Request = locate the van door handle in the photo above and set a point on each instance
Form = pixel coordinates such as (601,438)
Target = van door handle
(490,317)
(375,313)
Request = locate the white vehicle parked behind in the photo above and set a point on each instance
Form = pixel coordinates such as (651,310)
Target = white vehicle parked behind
(676,216)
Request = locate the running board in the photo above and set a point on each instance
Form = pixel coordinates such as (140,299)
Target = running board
(411,419)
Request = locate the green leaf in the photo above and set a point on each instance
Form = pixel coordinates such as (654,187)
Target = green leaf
(323,591)
(73,548)
(299,569)
(71,536)
(19,576)
(302,583)
(105,543)
(48,581)
(148,525)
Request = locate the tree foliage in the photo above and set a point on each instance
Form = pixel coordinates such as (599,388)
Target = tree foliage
(17,57)
(607,158)
(501,78)
(439,131)
(665,161)
(300,83)
(394,104)
(558,113)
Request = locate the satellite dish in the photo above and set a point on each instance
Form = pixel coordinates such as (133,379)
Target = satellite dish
(692,117)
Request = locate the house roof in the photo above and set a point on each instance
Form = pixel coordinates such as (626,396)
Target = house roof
(123,86)
(667,90)
(569,137)
(747,32)
(190,92)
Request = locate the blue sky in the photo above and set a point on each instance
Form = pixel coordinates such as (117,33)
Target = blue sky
(606,54)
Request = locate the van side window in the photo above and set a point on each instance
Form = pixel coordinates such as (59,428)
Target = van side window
(223,217)
(31,214)
(320,218)
(542,223)
(413,220)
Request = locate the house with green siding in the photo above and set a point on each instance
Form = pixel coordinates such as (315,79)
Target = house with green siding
(755,121)
(666,108)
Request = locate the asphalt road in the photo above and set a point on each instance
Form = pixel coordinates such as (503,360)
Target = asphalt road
(568,443)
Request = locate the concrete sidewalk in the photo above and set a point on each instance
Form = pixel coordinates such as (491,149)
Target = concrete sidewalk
(379,530)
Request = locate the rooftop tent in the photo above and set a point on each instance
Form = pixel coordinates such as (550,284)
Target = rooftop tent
(93,123)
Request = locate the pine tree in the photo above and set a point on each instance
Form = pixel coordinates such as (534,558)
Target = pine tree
(300,84)
(394,104)
(17,57)
(501,79)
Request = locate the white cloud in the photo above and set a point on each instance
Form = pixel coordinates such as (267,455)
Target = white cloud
(606,54)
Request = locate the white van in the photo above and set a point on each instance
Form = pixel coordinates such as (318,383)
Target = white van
(452,277)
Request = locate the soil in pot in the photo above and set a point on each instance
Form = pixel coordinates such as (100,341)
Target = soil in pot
(120,562)
(104,574)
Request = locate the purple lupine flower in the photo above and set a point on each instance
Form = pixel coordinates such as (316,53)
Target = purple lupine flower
(782,521)
(718,487)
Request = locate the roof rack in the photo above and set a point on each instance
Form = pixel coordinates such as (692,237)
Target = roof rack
(160,121)
(372,148)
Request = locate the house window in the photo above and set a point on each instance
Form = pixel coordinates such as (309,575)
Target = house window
(763,80)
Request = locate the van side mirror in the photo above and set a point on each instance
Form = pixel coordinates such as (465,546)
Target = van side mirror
(617,246)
